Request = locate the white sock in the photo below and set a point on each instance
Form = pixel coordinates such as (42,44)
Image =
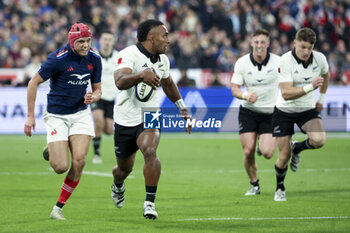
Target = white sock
(56,208)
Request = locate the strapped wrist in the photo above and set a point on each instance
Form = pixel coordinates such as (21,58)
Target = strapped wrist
(321,98)
(180,104)
(308,88)
(244,95)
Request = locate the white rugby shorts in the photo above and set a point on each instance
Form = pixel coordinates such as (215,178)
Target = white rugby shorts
(60,127)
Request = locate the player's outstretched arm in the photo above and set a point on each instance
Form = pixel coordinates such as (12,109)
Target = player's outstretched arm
(31,96)
(171,90)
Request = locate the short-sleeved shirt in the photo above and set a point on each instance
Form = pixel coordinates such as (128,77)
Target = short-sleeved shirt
(109,89)
(69,76)
(259,78)
(300,74)
(128,110)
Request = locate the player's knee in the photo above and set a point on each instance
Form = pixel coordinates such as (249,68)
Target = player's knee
(122,171)
(318,141)
(268,153)
(150,153)
(108,131)
(248,151)
(79,163)
(59,168)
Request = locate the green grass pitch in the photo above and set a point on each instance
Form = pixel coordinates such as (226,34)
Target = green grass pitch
(201,189)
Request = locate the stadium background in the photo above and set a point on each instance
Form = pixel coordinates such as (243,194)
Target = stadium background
(207,37)
(203,180)
(208,34)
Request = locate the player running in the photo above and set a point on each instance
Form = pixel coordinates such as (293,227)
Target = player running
(102,111)
(145,62)
(302,71)
(68,121)
(257,71)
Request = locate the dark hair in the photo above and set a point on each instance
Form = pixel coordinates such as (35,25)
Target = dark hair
(261,31)
(306,34)
(145,27)
(107,32)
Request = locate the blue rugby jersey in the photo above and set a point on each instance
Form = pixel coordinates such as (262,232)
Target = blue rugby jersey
(69,76)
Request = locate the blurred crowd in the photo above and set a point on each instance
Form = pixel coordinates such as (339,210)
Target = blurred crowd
(207,34)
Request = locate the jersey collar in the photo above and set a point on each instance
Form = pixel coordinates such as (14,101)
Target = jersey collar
(305,63)
(255,63)
(106,57)
(153,58)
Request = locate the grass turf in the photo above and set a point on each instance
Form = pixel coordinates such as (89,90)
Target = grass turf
(201,189)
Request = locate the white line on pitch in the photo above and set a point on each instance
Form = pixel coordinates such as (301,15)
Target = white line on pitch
(261,171)
(91,173)
(105,174)
(264,219)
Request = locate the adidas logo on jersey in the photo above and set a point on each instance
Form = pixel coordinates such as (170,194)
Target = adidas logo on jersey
(296,72)
(145,65)
(70,68)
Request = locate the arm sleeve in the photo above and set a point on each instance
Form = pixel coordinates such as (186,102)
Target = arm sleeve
(284,71)
(237,76)
(49,67)
(96,75)
(324,65)
(166,74)
(124,60)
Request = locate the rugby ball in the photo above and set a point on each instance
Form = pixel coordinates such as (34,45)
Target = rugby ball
(144,92)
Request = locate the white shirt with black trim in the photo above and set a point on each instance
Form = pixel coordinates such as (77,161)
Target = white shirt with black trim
(296,71)
(109,89)
(128,110)
(259,78)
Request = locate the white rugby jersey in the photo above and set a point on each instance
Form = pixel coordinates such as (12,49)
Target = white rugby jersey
(294,70)
(109,89)
(128,110)
(259,78)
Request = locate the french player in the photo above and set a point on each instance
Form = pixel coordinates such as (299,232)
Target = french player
(145,62)
(258,72)
(68,120)
(102,110)
(302,71)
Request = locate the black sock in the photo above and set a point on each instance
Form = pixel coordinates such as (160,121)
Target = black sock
(300,146)
(118,185)
(280,175)
(256,183)
(97,143)
(151,193)
(59,204)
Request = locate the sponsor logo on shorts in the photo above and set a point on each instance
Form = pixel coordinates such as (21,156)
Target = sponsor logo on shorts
(53,132)
(116,149)
(276,129)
